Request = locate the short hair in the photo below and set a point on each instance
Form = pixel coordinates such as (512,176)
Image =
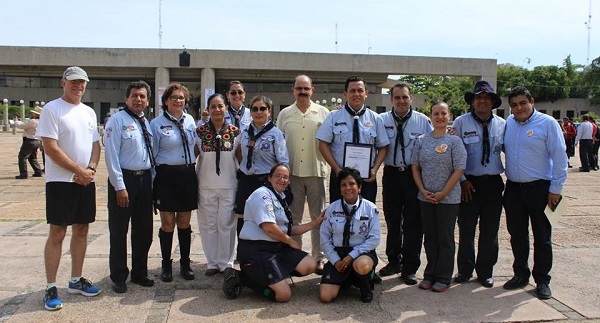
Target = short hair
(347,171)
(274,168)
(303,75)
(236,82)
(401,85)
(138,85)
(263,98)
(519,90)
(353,79)
(217,95)
(172,88)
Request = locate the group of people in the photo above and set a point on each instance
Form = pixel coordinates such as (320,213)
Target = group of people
(588,139)
(250,177)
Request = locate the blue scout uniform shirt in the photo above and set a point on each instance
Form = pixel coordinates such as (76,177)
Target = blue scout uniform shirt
(269,150)
(245,119)
(415,126)
(125,147)
(167,143)
(337,130)
(365,230)
(535,149)
(262,206)
(471,133)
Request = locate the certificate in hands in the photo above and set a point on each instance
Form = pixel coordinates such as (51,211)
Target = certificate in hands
(358,156)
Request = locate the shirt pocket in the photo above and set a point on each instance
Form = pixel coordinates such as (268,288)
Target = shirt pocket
(390,131)
(340,130)
(338,224)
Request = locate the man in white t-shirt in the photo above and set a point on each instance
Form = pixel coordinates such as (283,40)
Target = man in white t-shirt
(69,133)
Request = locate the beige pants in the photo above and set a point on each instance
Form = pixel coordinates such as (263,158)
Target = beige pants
(310,190)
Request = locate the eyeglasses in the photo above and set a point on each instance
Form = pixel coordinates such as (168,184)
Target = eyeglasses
(263,108)
(282,177)
(177,98)
(238,92)
(305,88)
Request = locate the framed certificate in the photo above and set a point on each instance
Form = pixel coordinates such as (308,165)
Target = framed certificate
(358,156)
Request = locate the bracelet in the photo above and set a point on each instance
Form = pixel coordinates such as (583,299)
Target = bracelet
(92,168)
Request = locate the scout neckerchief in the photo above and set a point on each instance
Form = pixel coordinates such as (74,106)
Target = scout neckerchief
(184,138)
(236,115)
(400,125)
(145,132)
(356,115)
(253,140)
(218,141)
(485,157)
(286,209)
(349,215)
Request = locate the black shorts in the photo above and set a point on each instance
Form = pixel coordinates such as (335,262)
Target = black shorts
(70,203)
(349,277)
(176,188)
(267,263)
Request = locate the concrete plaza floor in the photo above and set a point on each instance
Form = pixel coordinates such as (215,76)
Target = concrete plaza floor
(23,231)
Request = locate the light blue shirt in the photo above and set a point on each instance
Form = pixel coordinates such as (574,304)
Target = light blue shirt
(535,149)
(125,147)
(269,150)
(365,230)
(418,124)
(245,120)
(471,133)
(337,131)
(262,206)
(167,143)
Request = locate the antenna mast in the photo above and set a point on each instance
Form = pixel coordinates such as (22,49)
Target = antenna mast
(589,28)
(336,39)
(160,24)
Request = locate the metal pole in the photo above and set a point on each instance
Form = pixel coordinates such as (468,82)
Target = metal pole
(5,114)
(22,110)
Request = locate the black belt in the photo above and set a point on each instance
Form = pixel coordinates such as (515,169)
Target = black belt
(529,184)
(31,139)
(178,167)
(261,242)
(398,168)
(135,172)
(482,177)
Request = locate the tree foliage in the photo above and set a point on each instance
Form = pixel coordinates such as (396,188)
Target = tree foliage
(591,81)
(449,89)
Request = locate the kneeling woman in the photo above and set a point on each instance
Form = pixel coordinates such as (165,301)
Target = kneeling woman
(349,236)
(266,251)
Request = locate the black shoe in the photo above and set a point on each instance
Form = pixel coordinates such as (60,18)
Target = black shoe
(584,170)
(366,296)
(166,274)
(37,175)
(185,270)
(376,279)
(21,177)
(119,287)
(410,279)
(390,269)
(543,291)
(144,281)
(232,285)
(488,282)
(516,282)
(460,278)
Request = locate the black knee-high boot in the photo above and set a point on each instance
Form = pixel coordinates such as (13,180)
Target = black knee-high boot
(185,241)
(166,244)
(366,288)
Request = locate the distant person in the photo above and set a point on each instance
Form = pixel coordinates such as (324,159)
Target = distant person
(482,134)
(569,132)
(585,140)
(30,146)
(403,125)
(536,170)
(175,185)
(237,114)
(350,233)
(300,122)
(129,162)
(69,133)
(596,136)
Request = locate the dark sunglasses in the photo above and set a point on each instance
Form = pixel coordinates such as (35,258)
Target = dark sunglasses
(234,92)
(263,108)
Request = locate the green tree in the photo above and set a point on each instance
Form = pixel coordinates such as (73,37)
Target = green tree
(549,83)
(450,89)
(591,81)
(510,76)
(574,73)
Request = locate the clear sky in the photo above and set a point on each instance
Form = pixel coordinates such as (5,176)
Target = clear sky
(527,33)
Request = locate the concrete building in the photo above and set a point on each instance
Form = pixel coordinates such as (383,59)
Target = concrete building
(33,73)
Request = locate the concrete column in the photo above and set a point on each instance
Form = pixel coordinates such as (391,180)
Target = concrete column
(207,85)
(162,79)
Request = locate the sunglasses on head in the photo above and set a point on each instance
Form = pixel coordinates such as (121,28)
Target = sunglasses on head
(263,108)
(234,92)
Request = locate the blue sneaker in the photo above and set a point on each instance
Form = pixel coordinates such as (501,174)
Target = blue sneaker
(83,287)
(51,300)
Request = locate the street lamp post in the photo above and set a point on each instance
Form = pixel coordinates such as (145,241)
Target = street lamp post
(339,101)
(333,103)
(5,101)
(22,109)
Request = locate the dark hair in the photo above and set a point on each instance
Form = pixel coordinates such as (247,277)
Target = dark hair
(172,88)
(347,171)
(274,168)
(235,82)
(436,102)
(138,85)
(520,90)
(217,95)
(401,85)
(353,79)
(263,98)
